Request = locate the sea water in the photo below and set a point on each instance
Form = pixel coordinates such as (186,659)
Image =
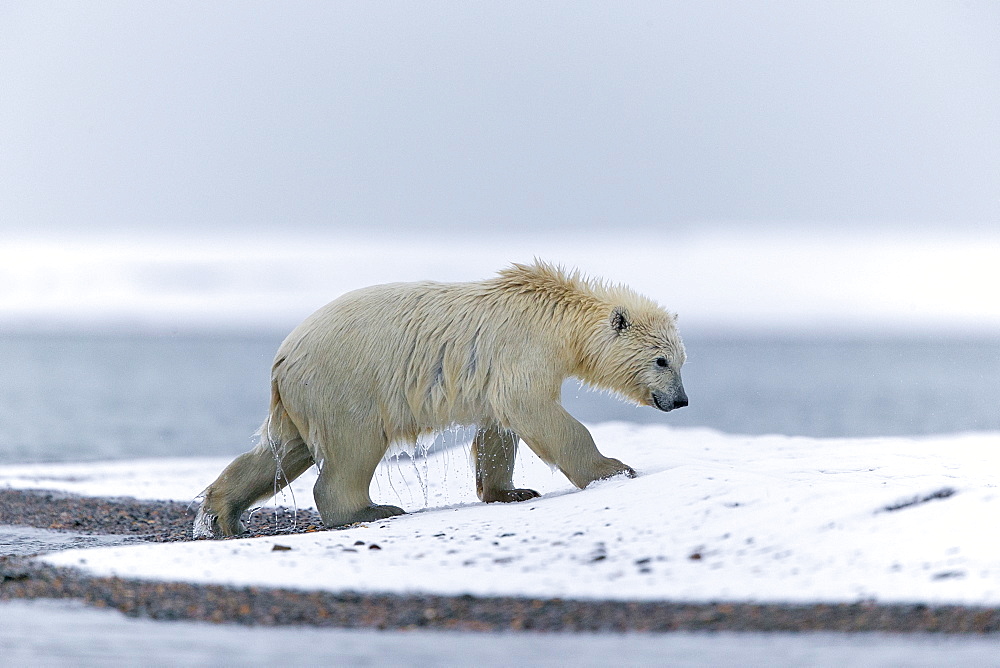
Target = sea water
(79,397)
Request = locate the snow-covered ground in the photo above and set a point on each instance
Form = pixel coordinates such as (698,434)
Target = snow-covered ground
(712,516)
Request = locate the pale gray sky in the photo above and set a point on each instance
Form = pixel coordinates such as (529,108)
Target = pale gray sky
(248,117)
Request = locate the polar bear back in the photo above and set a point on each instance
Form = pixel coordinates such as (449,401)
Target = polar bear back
(415,357)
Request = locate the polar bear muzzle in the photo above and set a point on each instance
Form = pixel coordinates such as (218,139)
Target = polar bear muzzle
(668,401)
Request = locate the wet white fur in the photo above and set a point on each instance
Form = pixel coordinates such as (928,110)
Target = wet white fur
(389,363)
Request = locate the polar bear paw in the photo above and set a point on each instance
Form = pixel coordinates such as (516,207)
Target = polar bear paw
(611,467)
(204,524)
(207,525)
(374,512)
(509,495)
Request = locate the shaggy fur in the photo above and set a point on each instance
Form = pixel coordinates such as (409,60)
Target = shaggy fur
(388,363)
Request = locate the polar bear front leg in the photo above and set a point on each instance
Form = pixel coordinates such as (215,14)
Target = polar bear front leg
(493,451)
(559,438)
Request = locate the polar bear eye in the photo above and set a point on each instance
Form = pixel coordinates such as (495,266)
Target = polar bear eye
(662,362)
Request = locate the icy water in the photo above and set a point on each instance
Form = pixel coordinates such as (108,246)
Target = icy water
(49,633)
(27,541)
(72,397)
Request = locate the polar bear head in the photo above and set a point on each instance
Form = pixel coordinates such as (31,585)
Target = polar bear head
(640,355)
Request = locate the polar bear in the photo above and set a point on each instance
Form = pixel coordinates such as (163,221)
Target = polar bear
(388,363)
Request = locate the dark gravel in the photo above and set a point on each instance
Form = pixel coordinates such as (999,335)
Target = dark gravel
(155,521)
(167,521)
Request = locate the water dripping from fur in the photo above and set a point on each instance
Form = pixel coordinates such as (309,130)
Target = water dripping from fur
(418,467)
(279,474)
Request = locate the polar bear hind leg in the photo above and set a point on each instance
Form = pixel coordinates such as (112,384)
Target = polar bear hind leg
(341,491)
(251,477)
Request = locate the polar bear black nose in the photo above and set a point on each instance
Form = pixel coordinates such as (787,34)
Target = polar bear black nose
(681,398)
(667,403)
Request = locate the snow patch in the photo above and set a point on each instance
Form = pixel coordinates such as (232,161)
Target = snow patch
(711,516)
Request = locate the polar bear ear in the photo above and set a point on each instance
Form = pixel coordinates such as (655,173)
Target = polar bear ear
(619,319)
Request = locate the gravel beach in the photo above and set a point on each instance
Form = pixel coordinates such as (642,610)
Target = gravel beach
(20,578)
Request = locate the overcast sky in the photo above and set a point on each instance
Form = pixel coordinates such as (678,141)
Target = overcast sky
(661,117)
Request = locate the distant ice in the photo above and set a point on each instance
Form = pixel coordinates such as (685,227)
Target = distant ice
(728,278)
